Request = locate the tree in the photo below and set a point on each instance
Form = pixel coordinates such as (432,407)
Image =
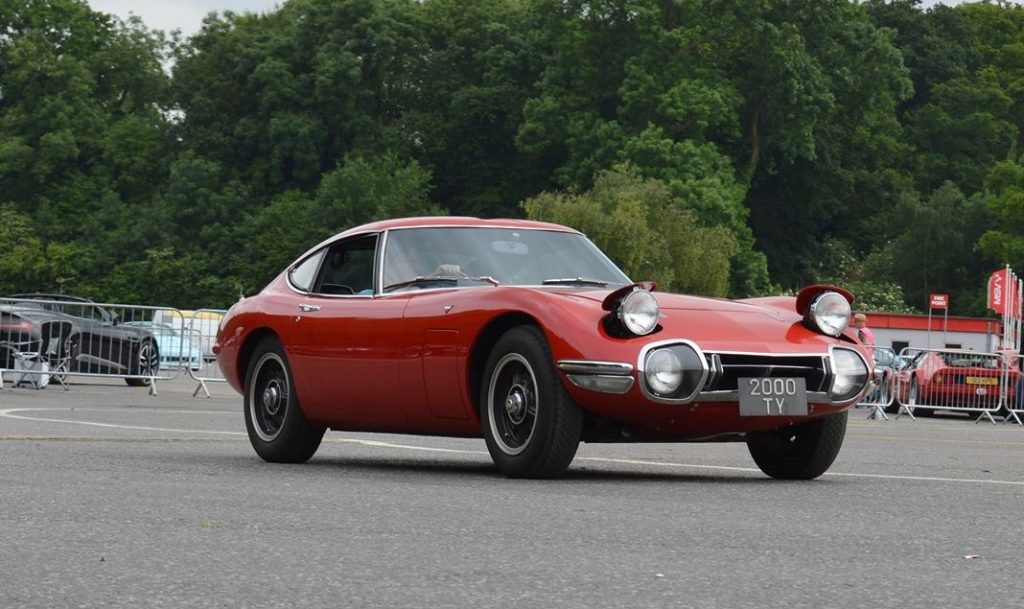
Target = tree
(83,136)
(1003,243)
(636,221)
(360,190)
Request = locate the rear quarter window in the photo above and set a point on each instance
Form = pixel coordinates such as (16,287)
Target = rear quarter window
(302,275)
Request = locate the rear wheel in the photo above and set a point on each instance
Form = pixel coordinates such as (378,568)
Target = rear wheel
(799,452)
(531,425)
(278,430)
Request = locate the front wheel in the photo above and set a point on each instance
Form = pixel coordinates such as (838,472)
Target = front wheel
(531,425)
(146,365)
(799,452)
(278,430)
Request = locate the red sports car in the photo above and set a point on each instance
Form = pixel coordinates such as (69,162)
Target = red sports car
(525,333)
(959,380)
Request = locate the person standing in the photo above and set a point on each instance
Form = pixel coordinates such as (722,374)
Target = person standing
(860,321)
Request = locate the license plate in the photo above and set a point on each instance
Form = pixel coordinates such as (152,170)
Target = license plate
(981,380)
(773,397)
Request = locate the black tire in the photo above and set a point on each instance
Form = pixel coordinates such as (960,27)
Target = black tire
(912,402)
(278,430)
(800,452)
(894,394)
(531,425)
(147,362)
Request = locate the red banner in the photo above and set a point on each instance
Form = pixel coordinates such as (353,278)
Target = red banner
(1013,296)
(998,284)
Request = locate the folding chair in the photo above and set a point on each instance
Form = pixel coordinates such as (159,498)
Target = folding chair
(56,350)
(50,362)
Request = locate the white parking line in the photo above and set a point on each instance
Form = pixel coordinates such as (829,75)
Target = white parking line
(838,474)
(11,414)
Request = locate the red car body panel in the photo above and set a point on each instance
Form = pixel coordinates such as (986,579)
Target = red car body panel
(403,361)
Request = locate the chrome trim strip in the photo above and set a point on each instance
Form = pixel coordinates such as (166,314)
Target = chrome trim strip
(664,343)
(378,290)
(716,372)
(869,368)
(550,229)
(763,354)
(582,366)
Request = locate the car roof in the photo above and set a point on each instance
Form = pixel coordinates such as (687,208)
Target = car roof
(457,221)
(440,222)
(44,296)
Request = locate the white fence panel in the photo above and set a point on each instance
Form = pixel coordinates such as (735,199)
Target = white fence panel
(957,380)
(52,337)
(203,324)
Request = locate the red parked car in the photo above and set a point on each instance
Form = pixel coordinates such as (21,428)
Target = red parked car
(525,333)
(959,380)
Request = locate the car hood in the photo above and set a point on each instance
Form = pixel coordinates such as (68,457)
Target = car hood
(683,302)
(718,324)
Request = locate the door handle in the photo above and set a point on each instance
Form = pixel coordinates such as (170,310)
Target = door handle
(308,308)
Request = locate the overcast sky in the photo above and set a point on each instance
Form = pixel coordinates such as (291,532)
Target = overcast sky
(187,15)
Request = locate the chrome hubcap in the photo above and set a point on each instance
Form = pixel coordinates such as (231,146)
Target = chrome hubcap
(272,398)
(515,404)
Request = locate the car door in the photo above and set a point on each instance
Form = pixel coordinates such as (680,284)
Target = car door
(346,349)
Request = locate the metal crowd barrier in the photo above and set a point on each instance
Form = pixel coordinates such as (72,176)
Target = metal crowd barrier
(957,380)
(46,339)
(203,325)
(881,397)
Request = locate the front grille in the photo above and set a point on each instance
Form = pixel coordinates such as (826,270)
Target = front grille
(725,370)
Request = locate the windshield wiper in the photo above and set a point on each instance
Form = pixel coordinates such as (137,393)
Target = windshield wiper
(440,279)
(575,281)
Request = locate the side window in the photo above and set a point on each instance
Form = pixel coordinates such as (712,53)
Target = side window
(348,268)
(302,275)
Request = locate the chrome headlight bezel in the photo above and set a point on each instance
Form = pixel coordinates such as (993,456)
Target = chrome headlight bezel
(829,313)
(638,312)
(693,371)
(851,375)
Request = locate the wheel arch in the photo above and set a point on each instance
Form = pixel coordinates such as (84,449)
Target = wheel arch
(248,347)
(485,341)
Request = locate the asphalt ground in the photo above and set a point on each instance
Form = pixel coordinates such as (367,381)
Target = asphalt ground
(110,497)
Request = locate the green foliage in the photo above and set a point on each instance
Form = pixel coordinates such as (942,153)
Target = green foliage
(22,258)
(1004,197)
(645,230)
(359,190)
(839,265)
(720,147)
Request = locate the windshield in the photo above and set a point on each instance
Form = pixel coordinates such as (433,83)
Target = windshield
(475,255)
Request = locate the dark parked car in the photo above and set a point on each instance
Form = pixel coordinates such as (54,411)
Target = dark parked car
(89,337)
